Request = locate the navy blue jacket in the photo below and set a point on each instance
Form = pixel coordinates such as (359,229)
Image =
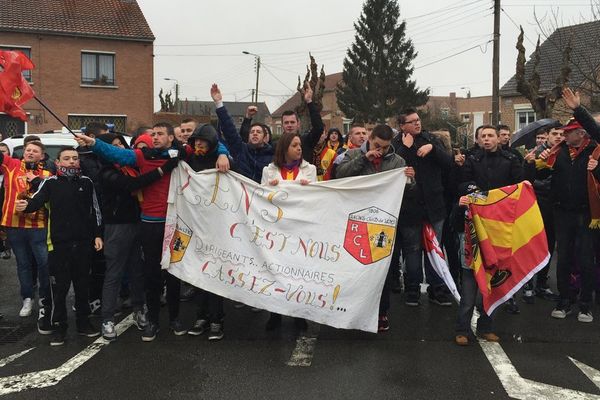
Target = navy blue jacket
(250,161)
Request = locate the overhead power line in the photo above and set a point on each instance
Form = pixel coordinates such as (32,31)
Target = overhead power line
(255,41)
(453,55)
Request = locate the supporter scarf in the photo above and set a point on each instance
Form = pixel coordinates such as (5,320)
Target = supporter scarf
(68,172)
(594,194)
(333,146)
(352,146)
(290,171)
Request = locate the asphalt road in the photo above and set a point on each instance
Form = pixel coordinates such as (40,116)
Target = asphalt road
(416,359)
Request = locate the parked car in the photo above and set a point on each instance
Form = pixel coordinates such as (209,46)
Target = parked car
(53,141)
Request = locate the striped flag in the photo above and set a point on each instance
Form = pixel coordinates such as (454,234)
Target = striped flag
(438,260)
(505,241)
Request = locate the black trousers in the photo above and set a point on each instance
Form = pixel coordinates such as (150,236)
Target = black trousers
(574,241)
(152,240)
(69,263)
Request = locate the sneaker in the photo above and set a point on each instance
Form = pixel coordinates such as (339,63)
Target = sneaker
(26,309)
(177,327)
(561,311)
(140,320)
(489,337)
(200,326)
(438,296)
(87,329)
(383,325)
(461,340)
(58,337)
(412,299)
(216,332)
(6,254)
(274,322)
(528,296)
(108,331)
(150,332)
(545,293)
(512,307)
(44,326)
(585,315)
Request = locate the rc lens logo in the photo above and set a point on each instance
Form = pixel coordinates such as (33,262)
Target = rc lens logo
(370,235)
(180,241)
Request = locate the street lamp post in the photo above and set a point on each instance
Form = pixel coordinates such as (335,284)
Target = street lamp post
(257,57)
(176,92)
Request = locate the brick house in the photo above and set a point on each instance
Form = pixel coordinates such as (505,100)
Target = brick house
(516,110)
(94,62)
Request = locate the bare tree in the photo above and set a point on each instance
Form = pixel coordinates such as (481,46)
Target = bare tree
(530,87)
(316,81)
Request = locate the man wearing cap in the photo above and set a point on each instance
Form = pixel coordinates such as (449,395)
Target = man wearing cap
(576,209)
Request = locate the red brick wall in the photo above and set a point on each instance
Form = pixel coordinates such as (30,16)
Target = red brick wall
(57,79)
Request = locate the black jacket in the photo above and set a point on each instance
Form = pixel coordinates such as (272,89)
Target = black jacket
(426,201)
(91,165)
(311,138)
(583,116)
(568,188)
(492,170)
(74,211)
(120,204)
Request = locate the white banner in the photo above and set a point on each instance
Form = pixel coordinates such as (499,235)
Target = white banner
(319,251)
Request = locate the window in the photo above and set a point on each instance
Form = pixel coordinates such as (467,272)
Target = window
(98,69)
(77,121)
(523,117)
(347,124)
(465,117)
(278,130)
(24,50)
(444,112)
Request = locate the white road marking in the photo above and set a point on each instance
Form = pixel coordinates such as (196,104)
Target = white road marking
(303,352)
(50,377)
(592,374)
(9,359)
(518,387)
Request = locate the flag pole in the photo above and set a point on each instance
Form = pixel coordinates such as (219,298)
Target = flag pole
(53,114)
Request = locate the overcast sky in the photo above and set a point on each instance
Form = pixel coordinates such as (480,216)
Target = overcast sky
(197,42)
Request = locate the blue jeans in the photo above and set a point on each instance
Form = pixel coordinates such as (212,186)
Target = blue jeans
(29,244)
(411,237)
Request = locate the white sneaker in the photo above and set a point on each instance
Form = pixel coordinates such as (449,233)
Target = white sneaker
(26,309)
(585,316)
(108,331)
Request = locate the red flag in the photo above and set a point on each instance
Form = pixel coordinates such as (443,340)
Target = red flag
(14,89)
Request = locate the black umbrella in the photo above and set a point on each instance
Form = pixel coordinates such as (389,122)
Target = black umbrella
(526,135)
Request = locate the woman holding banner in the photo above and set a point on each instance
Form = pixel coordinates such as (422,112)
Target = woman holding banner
(288,165)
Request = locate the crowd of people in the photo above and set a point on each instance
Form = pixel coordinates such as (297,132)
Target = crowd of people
(107,243)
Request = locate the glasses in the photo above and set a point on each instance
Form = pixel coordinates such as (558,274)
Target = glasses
(414,121)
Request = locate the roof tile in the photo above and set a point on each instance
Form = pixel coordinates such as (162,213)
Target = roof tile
(120,19)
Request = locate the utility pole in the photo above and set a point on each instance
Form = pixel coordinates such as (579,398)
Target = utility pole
(257,75)
(496,66)
(257,59)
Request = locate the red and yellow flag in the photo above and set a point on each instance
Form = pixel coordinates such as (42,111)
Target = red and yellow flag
(505,241)
(14,89)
